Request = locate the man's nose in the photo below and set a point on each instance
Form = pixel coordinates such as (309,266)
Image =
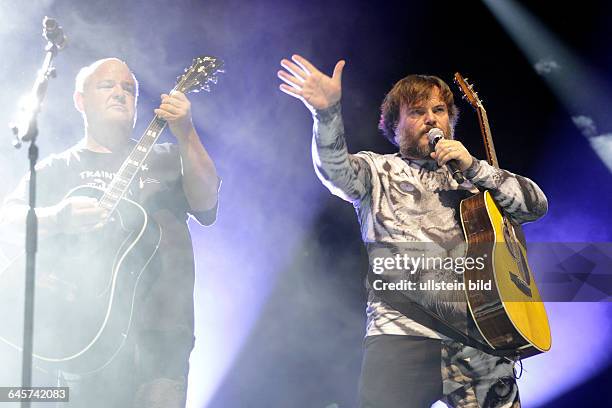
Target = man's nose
(119,94)
(430,118)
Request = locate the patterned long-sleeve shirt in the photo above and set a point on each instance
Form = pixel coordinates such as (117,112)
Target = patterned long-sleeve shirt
(401,201)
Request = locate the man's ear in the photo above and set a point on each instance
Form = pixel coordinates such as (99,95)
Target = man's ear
(77,97)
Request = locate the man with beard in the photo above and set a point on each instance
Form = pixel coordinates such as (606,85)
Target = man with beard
(411,197)
(175,181)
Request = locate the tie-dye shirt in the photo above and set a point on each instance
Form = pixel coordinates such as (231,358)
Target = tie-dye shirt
(398,200)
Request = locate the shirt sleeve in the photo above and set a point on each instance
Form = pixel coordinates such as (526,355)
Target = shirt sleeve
(520,197)
(345,175)
(208,217)
(167,166)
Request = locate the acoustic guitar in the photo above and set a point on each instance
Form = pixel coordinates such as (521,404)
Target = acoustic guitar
(86,285)
(510,316)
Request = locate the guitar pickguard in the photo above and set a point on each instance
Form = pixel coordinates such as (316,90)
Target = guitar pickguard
(523,281)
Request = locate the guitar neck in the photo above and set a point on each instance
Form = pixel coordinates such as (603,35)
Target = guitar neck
(485,129)
(125,175)
(472,96)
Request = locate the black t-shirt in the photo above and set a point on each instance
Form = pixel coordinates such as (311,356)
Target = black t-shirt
(168,304)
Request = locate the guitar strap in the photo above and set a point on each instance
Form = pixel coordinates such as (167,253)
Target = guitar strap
(421,315)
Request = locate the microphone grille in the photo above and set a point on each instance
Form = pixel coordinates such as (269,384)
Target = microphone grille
(434,134)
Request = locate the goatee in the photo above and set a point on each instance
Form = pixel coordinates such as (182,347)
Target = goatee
(414,150)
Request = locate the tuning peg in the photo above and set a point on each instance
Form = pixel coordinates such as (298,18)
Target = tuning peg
(206,87)
(213,79)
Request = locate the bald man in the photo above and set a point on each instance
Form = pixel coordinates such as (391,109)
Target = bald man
(176,181)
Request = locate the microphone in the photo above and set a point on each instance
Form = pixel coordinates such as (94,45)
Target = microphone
(434,136)
(54,33)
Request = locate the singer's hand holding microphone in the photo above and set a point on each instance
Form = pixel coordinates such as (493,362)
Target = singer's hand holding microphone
(449,152)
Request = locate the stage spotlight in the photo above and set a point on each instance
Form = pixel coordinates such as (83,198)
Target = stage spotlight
(581,89)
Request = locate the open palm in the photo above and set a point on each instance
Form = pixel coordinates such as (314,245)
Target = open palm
(305,82)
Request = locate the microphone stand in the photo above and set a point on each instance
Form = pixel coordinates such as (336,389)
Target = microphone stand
(26,130)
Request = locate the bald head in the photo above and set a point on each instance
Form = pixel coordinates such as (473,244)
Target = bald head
(86,72)
(106,93)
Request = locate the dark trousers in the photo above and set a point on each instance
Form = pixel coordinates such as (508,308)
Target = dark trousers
(400,372)
(149,372)
(415,372)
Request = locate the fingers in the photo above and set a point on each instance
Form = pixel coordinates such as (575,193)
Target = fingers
(169,114)
(82,201)
(175,98)
(98,226)
(445,155)
(162,114)
(90,213)
(85,226)
(289,90)
(84,205)
(297,71)
(447,150)
(304,64)
(293,84)
(179,96)
(337,75)
(168,108)
(290,80)
(173,106)
(81,214)
(84,220)
(305,82)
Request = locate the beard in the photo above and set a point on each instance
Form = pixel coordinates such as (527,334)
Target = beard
(417,146)
(413,147)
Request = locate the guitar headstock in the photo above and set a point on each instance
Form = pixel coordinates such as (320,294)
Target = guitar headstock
(470,94)
(468,91)
(197,77)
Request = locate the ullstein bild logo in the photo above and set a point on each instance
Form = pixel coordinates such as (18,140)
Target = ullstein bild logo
(431,285)
(412,264)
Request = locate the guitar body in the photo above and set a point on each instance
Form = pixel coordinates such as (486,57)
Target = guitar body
(85,290)
(87,285)
(511,315)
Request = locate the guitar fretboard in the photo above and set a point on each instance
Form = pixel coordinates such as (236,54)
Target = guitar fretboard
(483,120)
(128,170)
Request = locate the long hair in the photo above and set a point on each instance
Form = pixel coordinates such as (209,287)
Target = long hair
(409,91)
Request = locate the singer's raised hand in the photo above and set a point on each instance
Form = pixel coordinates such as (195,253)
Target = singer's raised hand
(305,82)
